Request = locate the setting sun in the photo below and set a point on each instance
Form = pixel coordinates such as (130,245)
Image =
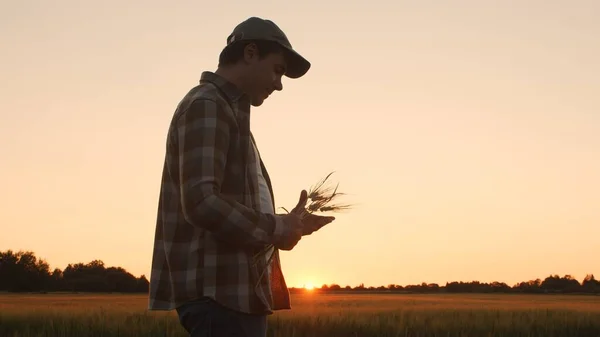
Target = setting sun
(309,286)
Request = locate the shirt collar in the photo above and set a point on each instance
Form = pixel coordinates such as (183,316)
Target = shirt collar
(232,92)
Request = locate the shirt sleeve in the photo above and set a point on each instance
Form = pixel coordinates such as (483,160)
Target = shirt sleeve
(203,136)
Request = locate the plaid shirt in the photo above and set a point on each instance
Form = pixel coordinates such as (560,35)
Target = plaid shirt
(209,225)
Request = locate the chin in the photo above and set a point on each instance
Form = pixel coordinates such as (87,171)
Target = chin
(257,102)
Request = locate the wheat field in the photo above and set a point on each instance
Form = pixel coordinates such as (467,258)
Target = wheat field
(317,315)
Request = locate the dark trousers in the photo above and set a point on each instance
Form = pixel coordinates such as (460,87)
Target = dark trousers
(207,318)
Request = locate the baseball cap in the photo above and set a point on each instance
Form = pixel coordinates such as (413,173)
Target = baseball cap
(255,28)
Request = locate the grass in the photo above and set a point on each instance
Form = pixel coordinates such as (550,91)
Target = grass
(317,315)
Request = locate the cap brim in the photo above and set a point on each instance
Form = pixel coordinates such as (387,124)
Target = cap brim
(297,65)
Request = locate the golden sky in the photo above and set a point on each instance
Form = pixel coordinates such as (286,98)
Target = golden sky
(468,132)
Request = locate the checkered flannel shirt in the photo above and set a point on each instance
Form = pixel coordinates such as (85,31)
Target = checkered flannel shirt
(209,225)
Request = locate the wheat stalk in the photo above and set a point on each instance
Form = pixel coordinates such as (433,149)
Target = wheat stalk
(321,197)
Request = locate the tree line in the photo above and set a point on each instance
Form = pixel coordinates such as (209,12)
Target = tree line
(23,272)
(552,284)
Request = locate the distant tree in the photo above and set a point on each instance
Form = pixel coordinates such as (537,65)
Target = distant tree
(590,284)
(86,277)
(119,280)
(499,287)
(142,286)
(556,284)
(433,287)
(56,280)
(414,288)
(531,286)
(23,271)
(360,287)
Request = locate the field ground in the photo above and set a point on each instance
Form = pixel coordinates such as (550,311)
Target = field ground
(317,315)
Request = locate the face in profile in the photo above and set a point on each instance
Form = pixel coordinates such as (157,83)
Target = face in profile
(264,74)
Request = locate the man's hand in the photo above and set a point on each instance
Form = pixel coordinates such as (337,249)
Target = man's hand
(299,223)
(313,223)
(294,226)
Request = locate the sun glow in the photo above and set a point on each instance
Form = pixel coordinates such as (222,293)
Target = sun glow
(309,286)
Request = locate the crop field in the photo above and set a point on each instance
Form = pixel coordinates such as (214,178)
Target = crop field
(317,315)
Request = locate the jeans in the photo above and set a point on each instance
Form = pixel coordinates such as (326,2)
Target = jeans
(206,318)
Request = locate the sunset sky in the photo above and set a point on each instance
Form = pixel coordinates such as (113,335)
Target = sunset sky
(467,132)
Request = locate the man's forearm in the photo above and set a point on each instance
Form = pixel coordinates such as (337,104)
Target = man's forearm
(233,222)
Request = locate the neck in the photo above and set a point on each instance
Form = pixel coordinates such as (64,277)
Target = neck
(231,76)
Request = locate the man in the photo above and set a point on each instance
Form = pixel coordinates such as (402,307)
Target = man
(216,220)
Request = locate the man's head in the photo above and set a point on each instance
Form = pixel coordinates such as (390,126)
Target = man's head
(257,56)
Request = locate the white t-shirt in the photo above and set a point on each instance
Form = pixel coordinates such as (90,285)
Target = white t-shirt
(266,204)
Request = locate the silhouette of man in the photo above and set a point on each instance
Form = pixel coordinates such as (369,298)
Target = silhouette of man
(216,216)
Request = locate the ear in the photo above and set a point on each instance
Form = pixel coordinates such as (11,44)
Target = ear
(250,52)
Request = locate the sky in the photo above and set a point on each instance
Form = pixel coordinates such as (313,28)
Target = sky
(467,133)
